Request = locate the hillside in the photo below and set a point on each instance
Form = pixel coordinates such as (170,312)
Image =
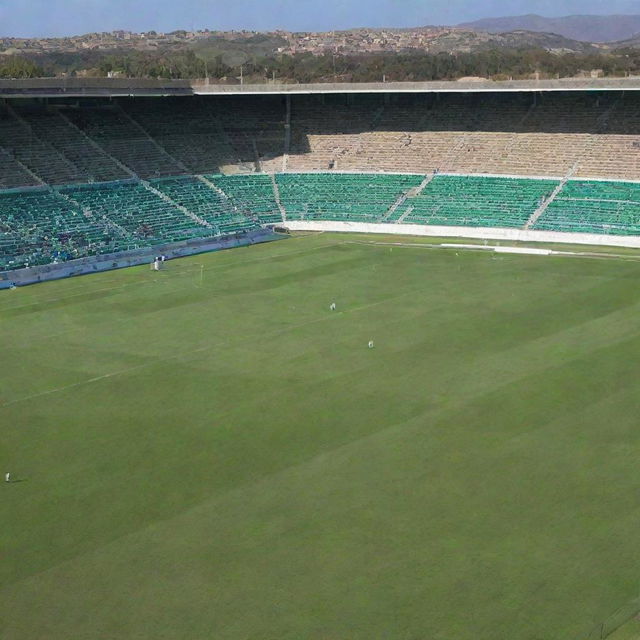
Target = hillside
(470,41)
(236,51)
(360,55)
(577,27)
(631,43)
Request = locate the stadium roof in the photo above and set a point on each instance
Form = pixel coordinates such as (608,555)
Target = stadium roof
(114,87)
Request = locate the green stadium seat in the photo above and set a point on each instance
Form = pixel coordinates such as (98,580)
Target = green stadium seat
(585,206)
(123,140)
(40,226)
(207,203)
(251,194)
(348,197)
(140,212)
(473,201)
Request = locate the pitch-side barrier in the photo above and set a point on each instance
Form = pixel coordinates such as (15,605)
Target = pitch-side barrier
(513,235)
(107,262)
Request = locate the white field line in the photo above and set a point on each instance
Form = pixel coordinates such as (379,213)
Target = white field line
(220,345)
(462,247)
(71,386)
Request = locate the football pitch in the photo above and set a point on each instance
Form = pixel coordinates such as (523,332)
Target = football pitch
(209,452)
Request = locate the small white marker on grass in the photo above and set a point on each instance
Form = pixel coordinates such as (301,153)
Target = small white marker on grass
(370,344)
(7,477)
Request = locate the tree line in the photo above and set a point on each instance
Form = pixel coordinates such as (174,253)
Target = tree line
(305,67)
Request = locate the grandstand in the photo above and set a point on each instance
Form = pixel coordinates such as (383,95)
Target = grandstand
(91,162)
(148,171)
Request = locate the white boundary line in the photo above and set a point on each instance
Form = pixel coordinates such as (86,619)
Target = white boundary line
(478,233)
(499,249)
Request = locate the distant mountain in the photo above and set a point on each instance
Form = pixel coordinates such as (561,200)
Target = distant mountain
(583,28)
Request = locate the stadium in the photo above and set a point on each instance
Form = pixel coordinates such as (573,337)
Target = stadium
(384,386)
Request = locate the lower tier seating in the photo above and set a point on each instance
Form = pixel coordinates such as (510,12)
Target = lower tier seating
(253,195)
(472,201)
(355,197)
(41,227)
(594,207)
(207,203)
(137,210)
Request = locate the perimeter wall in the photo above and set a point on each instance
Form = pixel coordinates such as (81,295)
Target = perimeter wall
(513,235)
(107,262)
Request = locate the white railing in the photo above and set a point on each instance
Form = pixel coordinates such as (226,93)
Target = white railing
(513,235)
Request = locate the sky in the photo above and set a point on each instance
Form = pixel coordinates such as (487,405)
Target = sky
(40,18)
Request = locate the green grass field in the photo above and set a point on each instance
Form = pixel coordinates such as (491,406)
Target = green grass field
(226,459)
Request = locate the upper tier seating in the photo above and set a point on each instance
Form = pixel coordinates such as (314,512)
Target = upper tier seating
(93,164)
(122,139)
(215,134)
(22,143)
(195,138)
(597,135)
(594,207)
(12,172)
(253,195)
(355,197)
(475,201)
(206,203)
(254,129)
(590,134)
